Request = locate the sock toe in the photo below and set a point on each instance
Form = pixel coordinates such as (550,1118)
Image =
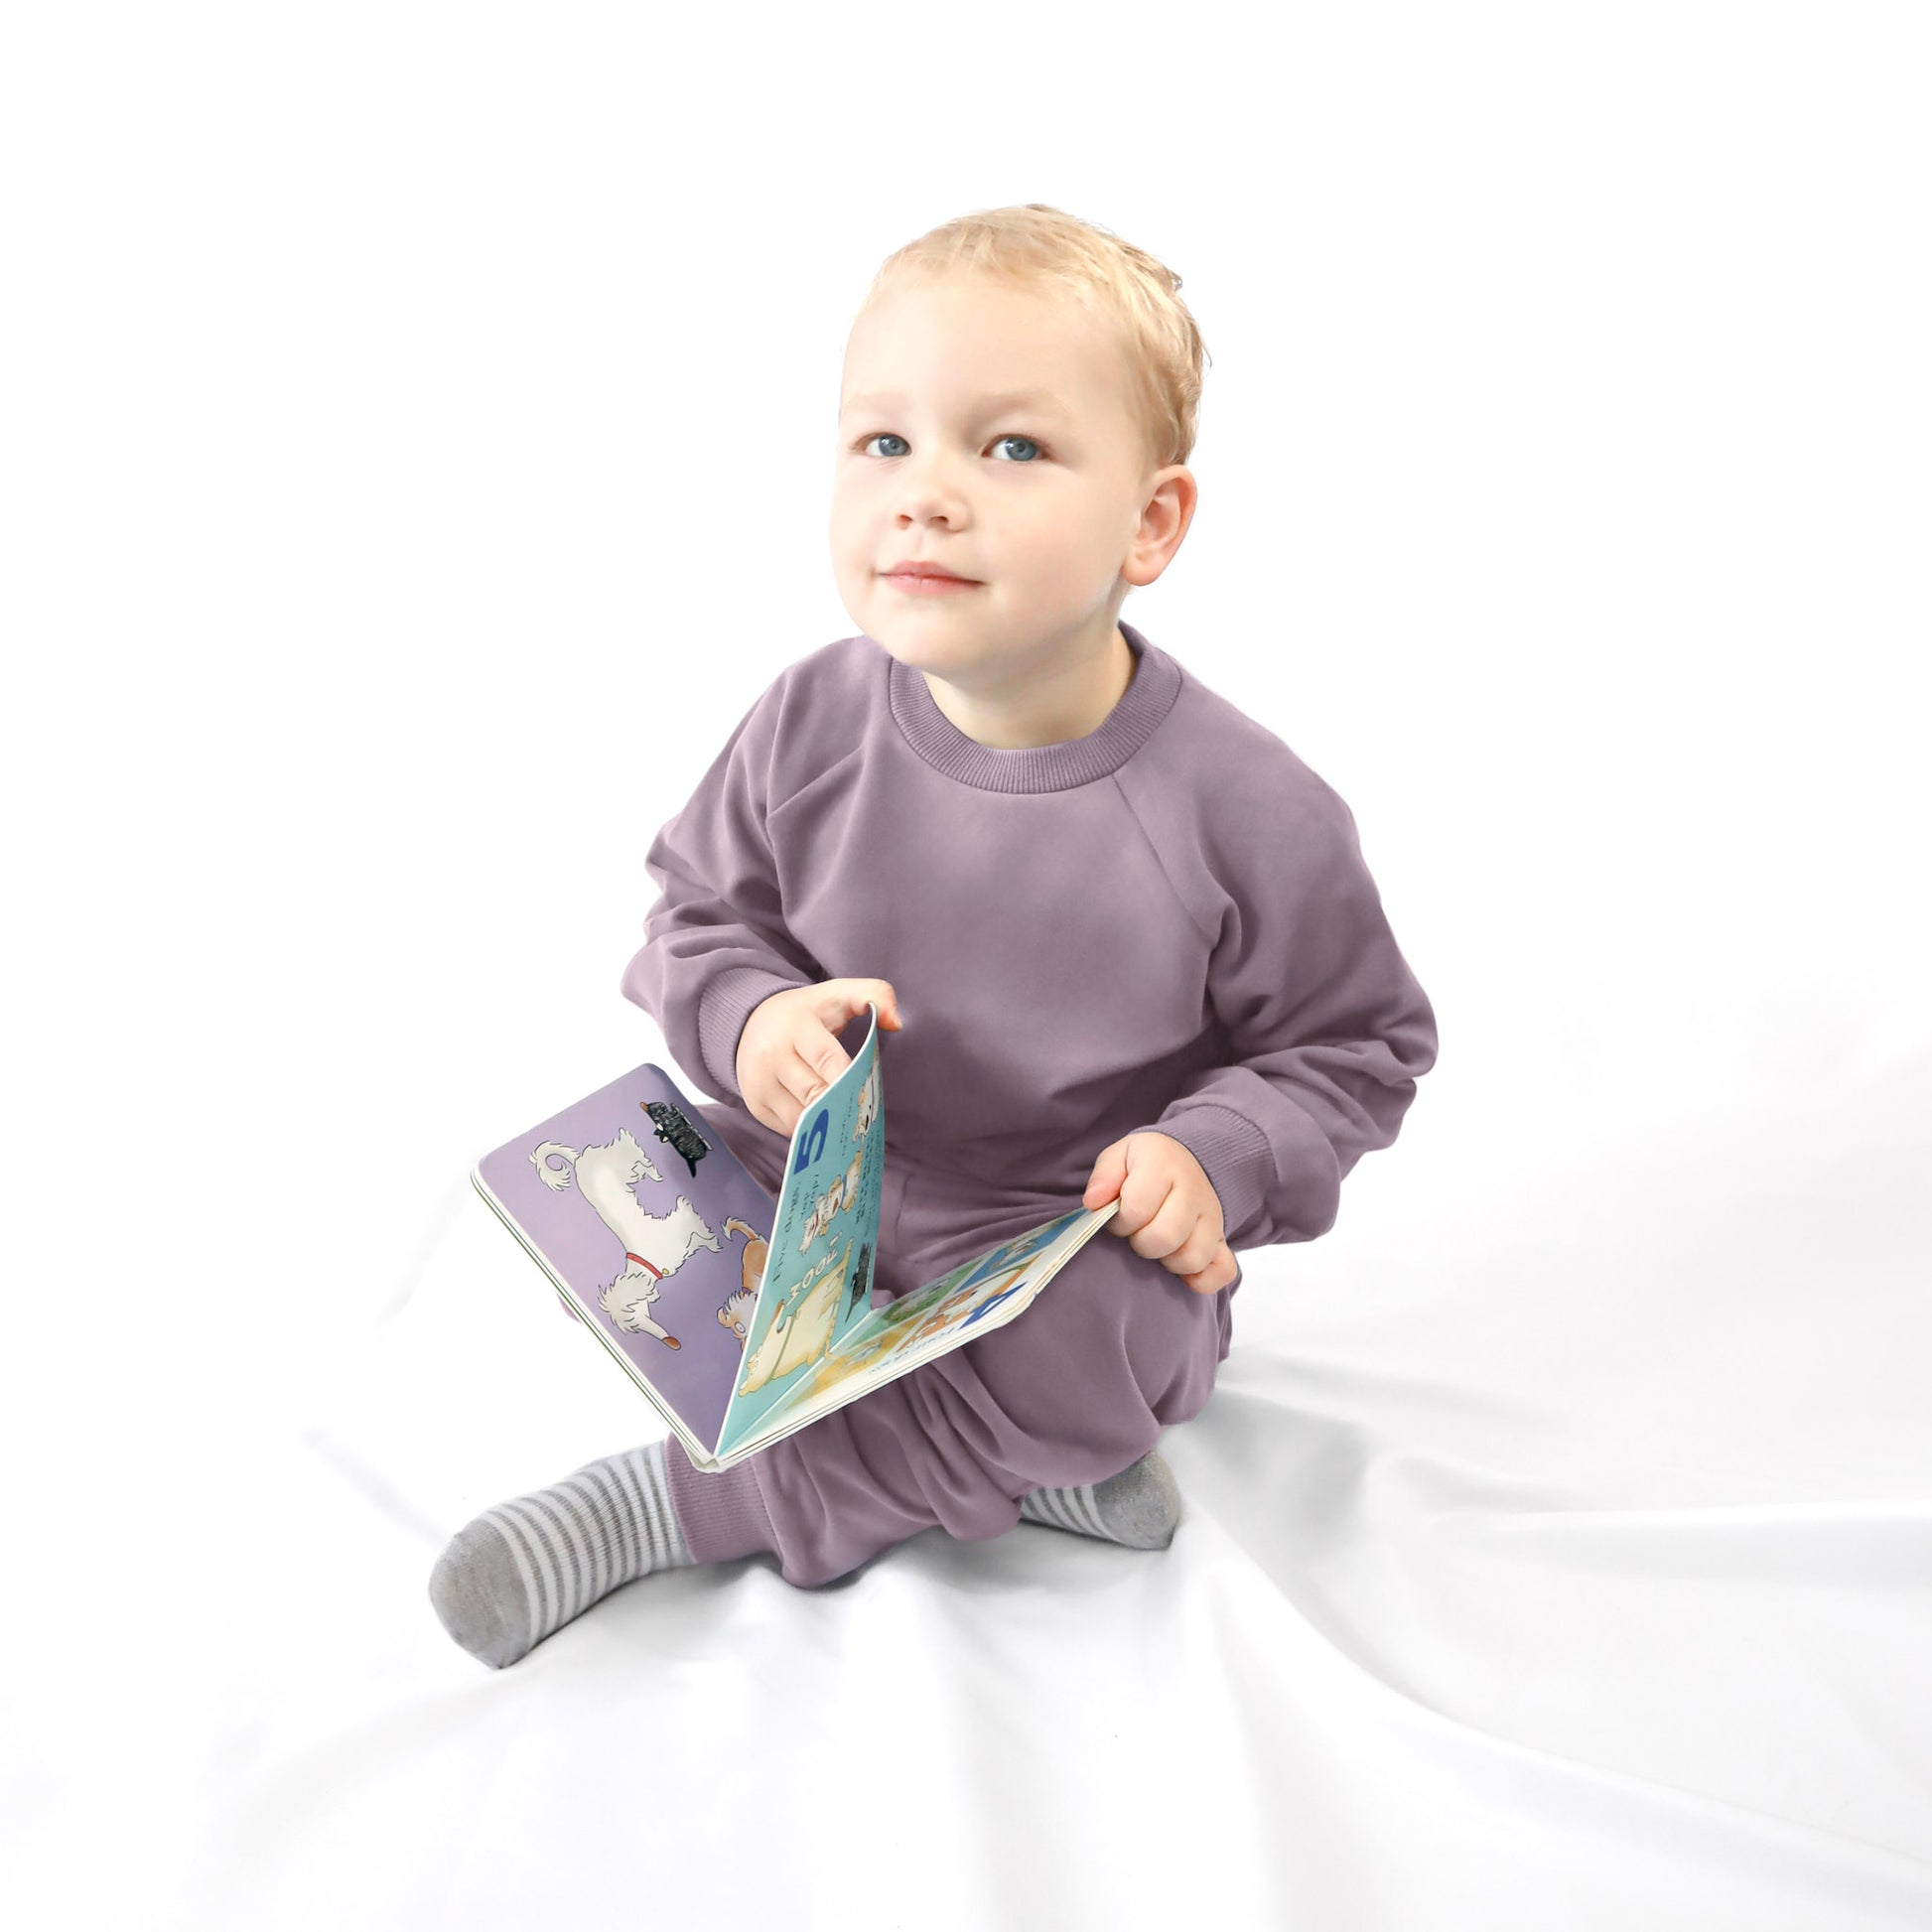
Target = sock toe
(1142,1505)
(479,1596)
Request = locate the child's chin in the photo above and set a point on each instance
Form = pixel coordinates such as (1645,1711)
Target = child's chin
(914,656)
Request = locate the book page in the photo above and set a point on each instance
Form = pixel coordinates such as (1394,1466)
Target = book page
(652,1231)
(974,1299)
(817,1282)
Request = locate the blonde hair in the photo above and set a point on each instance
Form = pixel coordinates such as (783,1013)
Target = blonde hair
(1051,252)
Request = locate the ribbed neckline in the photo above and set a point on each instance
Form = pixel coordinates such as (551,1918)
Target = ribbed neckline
(1038,768)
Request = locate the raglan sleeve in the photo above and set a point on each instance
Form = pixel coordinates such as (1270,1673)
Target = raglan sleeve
(714,938)
(1329,1029)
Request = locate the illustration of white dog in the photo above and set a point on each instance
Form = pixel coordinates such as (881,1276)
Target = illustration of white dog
(655,1245)
(736,1315)
(867,1103)
(841,1193)
(799,1336)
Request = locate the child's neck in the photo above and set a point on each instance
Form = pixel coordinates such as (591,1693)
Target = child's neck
(1055,710)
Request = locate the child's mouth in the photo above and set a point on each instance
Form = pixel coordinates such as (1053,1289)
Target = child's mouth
(933,585)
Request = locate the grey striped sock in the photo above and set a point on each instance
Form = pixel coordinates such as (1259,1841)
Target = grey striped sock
(1139,1507)
(525,1568)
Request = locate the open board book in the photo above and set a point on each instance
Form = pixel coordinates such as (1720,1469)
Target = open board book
(742,1322)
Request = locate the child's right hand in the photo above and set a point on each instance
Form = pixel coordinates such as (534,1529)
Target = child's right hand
(789,1053)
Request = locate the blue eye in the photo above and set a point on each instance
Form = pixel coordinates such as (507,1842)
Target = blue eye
(1031,442)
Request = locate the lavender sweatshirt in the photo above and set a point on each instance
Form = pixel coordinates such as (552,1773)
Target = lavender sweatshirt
(1167,924)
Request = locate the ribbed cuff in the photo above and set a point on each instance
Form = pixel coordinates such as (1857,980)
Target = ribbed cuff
(727,1004)
(722,1515)
(1233,1153)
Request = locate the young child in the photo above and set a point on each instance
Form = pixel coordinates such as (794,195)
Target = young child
(1122,937)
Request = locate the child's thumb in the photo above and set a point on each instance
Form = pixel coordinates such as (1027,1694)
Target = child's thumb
(1109,1170)
(881,994)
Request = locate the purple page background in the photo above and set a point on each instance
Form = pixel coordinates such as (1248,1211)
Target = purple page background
(696,1378)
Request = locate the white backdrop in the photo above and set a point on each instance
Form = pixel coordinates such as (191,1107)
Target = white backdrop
(416,440)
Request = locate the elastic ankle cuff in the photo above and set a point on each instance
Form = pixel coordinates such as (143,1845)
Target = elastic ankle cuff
(722,1515)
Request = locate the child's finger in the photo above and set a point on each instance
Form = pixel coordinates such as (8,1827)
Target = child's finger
(804,1081)
(1218,1274)
(1109,1170)
(846,999)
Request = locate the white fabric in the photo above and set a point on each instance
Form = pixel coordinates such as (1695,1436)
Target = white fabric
(414,487)
(1565,1569)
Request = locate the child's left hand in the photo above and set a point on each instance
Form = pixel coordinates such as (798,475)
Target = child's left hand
(1168,1209)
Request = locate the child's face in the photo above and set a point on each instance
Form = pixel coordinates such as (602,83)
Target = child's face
(1047,506)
